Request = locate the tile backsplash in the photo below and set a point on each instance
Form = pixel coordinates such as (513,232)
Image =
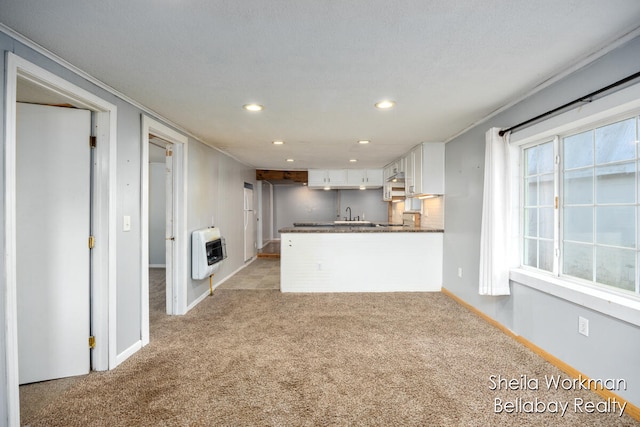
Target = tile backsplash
(432,212)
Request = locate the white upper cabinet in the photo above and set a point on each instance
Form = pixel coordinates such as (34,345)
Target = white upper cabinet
(424,172)
(364,178)
(320,178)
(345,178)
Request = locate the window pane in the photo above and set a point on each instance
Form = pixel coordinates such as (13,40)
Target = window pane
(615,225)
(531,160)
(578,260)
(546,190)
(578,187)
(578,224)
(531,222)
(531,191)
(578,150)
(616,142)
(616,183)
(546,255)
(545,218)
(616,267)
(545,157)
(530,252)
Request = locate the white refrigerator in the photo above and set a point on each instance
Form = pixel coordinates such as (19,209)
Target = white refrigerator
(249,224)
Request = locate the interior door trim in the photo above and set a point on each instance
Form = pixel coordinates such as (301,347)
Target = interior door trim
(104,254)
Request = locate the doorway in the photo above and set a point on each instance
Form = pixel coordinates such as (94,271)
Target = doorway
(249,223)
(161,228)
(176,237)
(46,86)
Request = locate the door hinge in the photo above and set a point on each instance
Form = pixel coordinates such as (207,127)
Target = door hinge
(92,342)
(92,242)
(168,152)
(93,141)
(556,202)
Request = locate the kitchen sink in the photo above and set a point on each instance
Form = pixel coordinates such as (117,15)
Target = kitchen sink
(355,224)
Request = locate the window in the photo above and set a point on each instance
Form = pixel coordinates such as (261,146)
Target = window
(580,205)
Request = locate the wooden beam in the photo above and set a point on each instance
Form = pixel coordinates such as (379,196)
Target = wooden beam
(278,176)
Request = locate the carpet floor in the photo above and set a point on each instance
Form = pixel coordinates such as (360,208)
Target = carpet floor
(247,357)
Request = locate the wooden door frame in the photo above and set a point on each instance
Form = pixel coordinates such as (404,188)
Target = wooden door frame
(103,278)
(177,291)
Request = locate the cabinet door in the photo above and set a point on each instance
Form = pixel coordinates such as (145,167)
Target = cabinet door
(408,174)
(417,170)
(433,168)
(317,178)
(373,178)
(337,177)
(356,177)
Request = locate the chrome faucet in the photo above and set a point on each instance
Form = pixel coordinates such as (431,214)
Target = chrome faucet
(348,209)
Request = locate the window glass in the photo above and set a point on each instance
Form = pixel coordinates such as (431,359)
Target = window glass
(578,150)
(578,187)
(616,267)
(615,225)
(616,142)
(578,260)
(578,224)
(546,189)
(616,183)
(530,252)
(546,255)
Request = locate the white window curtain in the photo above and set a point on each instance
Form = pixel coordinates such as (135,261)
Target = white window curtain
(495,233)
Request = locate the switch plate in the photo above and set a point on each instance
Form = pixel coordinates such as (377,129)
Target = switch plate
(126,223)
(460,272)
(583,326)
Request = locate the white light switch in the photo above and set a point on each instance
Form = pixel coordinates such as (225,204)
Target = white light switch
(126,223)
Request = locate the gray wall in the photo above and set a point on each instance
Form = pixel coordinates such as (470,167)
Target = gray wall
(215,189)
(612,349)
(215,197)
(297,203)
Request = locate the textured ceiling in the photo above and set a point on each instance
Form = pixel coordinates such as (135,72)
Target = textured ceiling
(318,67)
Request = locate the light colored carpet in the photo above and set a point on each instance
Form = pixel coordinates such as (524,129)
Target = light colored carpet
(260,357)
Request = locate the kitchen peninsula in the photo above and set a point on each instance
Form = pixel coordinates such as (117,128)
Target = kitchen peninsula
(360,257)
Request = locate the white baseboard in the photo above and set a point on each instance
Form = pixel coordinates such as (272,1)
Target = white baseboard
(227,277)
(128,352)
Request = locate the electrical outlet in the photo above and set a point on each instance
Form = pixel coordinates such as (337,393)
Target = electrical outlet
(583,326)
(460,272)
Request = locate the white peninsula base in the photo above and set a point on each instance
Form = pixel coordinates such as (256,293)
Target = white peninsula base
(361,262)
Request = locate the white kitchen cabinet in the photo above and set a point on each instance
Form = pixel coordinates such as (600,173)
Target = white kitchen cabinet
(424,172)
(345,178)
(320,178)
(364,177)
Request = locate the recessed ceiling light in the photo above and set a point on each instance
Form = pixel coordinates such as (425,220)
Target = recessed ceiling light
(363,141)
(362,187)
(353,160)
(278,142)
(385,105)
(289,160)
(253,107)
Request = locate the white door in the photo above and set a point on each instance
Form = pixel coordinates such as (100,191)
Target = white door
(169,229)
(52,233)
(249,224)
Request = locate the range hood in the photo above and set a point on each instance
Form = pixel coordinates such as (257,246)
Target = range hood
(397,177)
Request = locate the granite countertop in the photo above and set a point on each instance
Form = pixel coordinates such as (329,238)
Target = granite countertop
(329,227)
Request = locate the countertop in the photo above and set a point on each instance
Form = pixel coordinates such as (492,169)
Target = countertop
(328,227)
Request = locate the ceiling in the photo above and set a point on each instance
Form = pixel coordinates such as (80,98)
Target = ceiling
(318,67)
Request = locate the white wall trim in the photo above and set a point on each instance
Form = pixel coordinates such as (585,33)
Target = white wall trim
(157,266)
(127,353)
(617,306)
(104,254)
(229,276)
(177,289)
